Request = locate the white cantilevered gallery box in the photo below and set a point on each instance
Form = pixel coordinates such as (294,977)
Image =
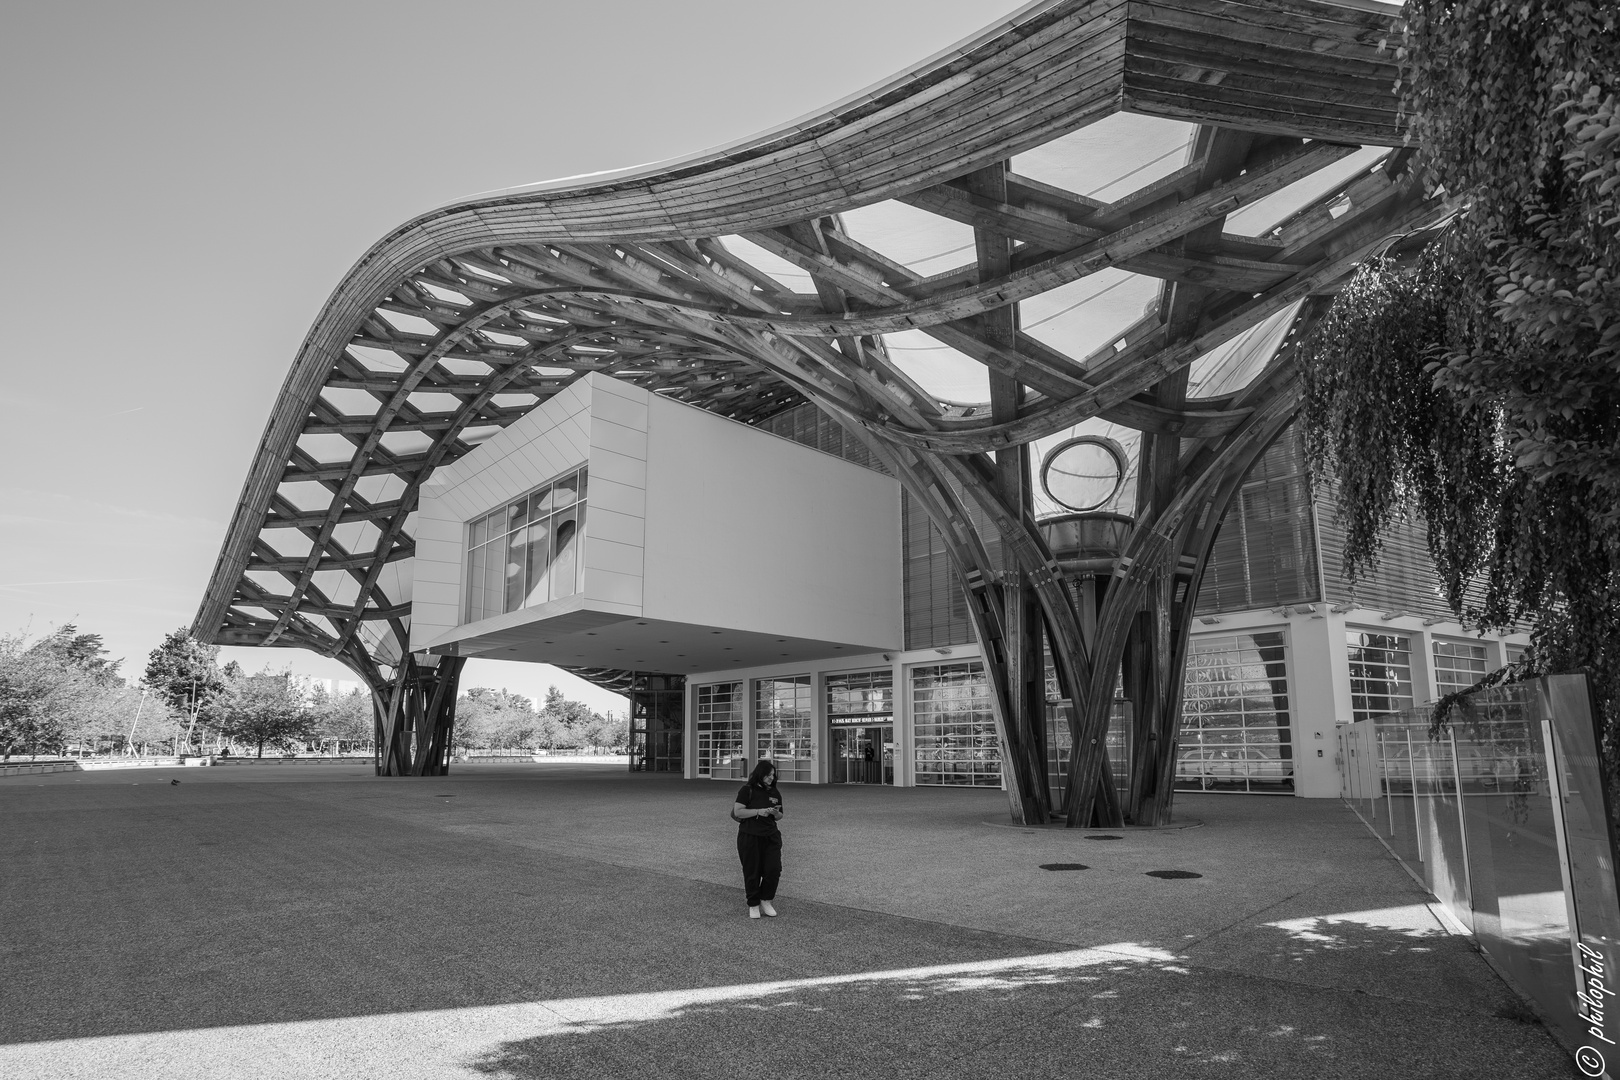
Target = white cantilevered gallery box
(613,527)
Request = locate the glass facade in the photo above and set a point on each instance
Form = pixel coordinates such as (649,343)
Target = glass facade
(860,711)
(783,724)
(953,727)
(1235,729)
(1265,553)
(657,722)
(1457,666)
(720,751)
(1380,673)
(861,697)
(528,551)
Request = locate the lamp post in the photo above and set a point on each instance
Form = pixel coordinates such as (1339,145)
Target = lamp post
(129,744)
(193,726)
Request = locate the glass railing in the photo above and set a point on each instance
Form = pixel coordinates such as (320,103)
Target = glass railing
(1502,816)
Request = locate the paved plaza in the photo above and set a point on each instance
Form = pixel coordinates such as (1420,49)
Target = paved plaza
(552,921)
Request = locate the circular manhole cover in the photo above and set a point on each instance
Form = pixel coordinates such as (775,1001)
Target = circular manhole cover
(1172,874)
(1064,866)
(1104,836)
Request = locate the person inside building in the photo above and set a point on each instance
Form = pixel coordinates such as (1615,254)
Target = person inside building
(759,841)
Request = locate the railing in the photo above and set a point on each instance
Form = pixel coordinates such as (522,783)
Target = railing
(1504,819)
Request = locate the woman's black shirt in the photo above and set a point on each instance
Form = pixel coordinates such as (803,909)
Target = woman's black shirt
(758,798)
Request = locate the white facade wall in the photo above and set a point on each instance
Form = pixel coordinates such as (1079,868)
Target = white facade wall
(751,531)
(690,518)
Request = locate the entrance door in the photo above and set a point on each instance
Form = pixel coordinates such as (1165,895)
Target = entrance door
(863,755)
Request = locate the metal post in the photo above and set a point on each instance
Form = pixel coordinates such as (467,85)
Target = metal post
(1555,788)
(1383,779)
(1411,768)
(129,744)
(1462,819)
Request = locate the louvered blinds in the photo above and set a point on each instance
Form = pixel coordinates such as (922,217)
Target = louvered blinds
(1265,552)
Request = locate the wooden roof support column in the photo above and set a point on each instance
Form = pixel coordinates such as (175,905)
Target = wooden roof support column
(1023,657)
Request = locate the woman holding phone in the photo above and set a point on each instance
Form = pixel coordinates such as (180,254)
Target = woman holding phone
(759,841)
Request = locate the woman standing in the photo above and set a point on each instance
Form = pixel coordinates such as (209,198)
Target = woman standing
(759,842)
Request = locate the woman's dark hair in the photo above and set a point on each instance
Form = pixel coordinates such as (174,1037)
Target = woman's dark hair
(762,768)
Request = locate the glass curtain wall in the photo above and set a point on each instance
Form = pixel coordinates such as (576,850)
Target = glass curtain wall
(720,754)
(527,552)
(953,726)
(861,697)
(1235,730)
(783,724)
(1482,814)
(1457,666)
(1380,673)
(860,712)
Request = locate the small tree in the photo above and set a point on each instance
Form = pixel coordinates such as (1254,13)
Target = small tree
(262,709)
(342,717)
(184,672)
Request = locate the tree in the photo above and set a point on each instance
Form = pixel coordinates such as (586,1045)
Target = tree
(342,717)
(501,720)
(184,671)
(62,691)
(1480,388)
(267,708)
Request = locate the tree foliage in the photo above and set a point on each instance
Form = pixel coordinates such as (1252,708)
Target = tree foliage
(184,671)
(62,692)
(1480,388)
(341,717)
(268,709)
(489,719)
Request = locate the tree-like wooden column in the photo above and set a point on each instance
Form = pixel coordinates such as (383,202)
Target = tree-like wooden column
(415,717)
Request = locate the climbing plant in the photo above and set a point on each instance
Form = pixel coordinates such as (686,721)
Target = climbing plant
(1479,387)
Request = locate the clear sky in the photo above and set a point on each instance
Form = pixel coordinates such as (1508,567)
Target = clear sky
(184,183)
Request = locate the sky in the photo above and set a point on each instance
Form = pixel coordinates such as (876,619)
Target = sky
(185,183)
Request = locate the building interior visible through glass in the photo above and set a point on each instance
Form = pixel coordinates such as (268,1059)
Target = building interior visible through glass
(527,552)
(953,727)
(860,712)
(1083,474)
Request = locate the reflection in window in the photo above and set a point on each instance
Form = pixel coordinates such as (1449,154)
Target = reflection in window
(527,552)
(1457,666)
(1380,673)
(783,720)
(1235,731)
(860,696)
(953,727)
(720,731)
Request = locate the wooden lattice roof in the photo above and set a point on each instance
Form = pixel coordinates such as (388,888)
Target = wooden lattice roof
(459,321)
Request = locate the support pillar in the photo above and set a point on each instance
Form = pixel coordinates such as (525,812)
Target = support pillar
(415,717)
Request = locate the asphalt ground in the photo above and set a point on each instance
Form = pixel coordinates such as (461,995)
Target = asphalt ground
(557,921)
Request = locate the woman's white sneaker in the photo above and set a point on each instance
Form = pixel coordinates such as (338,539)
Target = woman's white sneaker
(765,906)
(753,912)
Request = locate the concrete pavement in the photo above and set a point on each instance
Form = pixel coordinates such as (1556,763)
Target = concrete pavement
(554,920)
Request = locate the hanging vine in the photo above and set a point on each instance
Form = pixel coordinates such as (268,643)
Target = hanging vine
(1480,388)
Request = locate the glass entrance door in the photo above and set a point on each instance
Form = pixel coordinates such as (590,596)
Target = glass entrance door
(863,755)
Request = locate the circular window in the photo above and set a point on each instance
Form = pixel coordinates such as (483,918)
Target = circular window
(1083,474)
